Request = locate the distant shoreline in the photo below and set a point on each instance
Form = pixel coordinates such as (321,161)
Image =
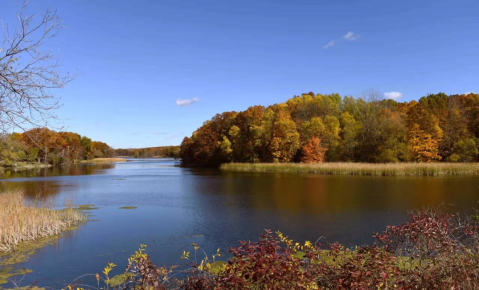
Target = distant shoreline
(362,169)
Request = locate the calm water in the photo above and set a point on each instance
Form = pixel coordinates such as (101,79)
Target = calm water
(178,206)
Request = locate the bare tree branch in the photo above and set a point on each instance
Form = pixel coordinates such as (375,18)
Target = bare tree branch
(28,73)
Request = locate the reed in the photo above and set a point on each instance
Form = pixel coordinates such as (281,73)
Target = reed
(22,221)
(372,169)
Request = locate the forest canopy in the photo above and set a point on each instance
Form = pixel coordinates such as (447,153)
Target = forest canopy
(329,128)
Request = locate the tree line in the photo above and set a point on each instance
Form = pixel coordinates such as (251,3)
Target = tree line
(162,151)
(48,146)
(59,148)
(328,128)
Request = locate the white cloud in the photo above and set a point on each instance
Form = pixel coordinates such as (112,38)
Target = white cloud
(351,36)
(470,93)
(393,95)
(330,44)
(186,102)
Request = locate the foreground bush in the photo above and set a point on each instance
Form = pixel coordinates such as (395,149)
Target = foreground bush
(434,250)
(22,221)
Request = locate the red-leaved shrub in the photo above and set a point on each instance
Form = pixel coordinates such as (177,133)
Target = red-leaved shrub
(433,250)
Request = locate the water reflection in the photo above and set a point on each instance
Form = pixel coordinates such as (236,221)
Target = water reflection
(76,169)
(37,189)
(317,194)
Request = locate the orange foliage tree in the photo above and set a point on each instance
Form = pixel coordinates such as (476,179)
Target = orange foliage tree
(313,152)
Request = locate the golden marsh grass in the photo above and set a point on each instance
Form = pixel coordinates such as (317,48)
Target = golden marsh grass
(372,169)
(22,221)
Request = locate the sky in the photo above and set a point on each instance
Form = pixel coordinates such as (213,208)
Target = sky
(151,72)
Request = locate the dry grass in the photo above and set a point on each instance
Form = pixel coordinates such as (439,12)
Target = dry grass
(22,221)
(382,169)
(104,160)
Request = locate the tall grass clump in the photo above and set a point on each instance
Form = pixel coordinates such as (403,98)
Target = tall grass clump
(22,221)
(372,169)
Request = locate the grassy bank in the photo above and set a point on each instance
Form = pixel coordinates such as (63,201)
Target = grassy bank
(22,221)
(383,169)
(104,160)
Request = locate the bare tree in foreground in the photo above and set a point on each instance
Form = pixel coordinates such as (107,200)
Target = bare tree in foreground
(28,74)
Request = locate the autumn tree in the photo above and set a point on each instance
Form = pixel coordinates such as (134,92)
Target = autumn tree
(246,135)
(454,125)
(75,149)
(425,148)
(285,138)
(313,128)
(470,104)
(313,152)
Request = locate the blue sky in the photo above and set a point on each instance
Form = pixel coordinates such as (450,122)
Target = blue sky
(136,59)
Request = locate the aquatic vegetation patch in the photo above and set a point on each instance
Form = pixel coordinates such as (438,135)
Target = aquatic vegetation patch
(128,207)
(8,272)
(85,207)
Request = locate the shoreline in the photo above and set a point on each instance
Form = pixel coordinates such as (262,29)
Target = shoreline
(25,166)
(360,169)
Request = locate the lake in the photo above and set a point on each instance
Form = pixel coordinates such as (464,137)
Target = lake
(178,206)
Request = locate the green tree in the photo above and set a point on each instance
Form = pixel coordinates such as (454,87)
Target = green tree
(349,131)
(331,137)
(226,149)
(465,150)
(313,128)
(87,147)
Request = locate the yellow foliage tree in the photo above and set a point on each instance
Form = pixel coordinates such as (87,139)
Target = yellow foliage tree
(424,147)
(285,142)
